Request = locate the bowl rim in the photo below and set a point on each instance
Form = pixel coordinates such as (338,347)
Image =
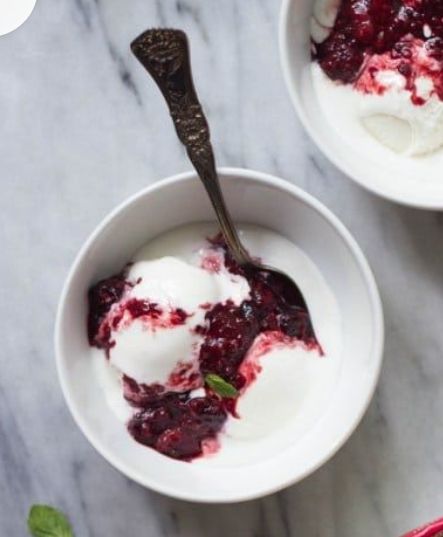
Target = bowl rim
(285,63)
(376,313)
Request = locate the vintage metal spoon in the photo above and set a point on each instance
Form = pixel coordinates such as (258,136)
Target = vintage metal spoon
(165,55)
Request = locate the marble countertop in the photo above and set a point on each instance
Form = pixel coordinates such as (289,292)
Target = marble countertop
(81,129)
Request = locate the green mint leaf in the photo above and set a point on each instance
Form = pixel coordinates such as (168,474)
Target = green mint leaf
(45,521)
(220,386)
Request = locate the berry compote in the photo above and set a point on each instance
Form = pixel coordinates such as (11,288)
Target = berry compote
(167,418)
(407,34)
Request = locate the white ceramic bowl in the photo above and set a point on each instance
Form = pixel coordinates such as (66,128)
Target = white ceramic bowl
(402,184)
(255,198)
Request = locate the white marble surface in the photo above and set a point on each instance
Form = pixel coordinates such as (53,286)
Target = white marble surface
(81,128)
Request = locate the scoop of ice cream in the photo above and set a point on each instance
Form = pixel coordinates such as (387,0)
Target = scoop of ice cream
(400,91)
(394,120)
(412,130)
(153,326)
(401,105)
(171,282)
(277,391)
(149,355)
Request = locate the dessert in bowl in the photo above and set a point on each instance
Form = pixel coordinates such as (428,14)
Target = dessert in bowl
(366,79)
(197,354)
(171,316)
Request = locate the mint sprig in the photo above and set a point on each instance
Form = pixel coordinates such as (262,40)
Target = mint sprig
(220,386)
(45,521)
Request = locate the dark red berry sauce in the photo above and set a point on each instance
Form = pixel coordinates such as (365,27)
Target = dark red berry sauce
(398,30)
(101,298)
(169,420)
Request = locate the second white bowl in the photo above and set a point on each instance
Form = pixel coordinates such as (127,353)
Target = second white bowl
(389,177)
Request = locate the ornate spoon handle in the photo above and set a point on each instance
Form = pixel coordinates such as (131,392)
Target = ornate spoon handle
(165,55)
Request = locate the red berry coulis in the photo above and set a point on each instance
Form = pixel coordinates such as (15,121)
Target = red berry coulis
(167,418)
(393,29)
